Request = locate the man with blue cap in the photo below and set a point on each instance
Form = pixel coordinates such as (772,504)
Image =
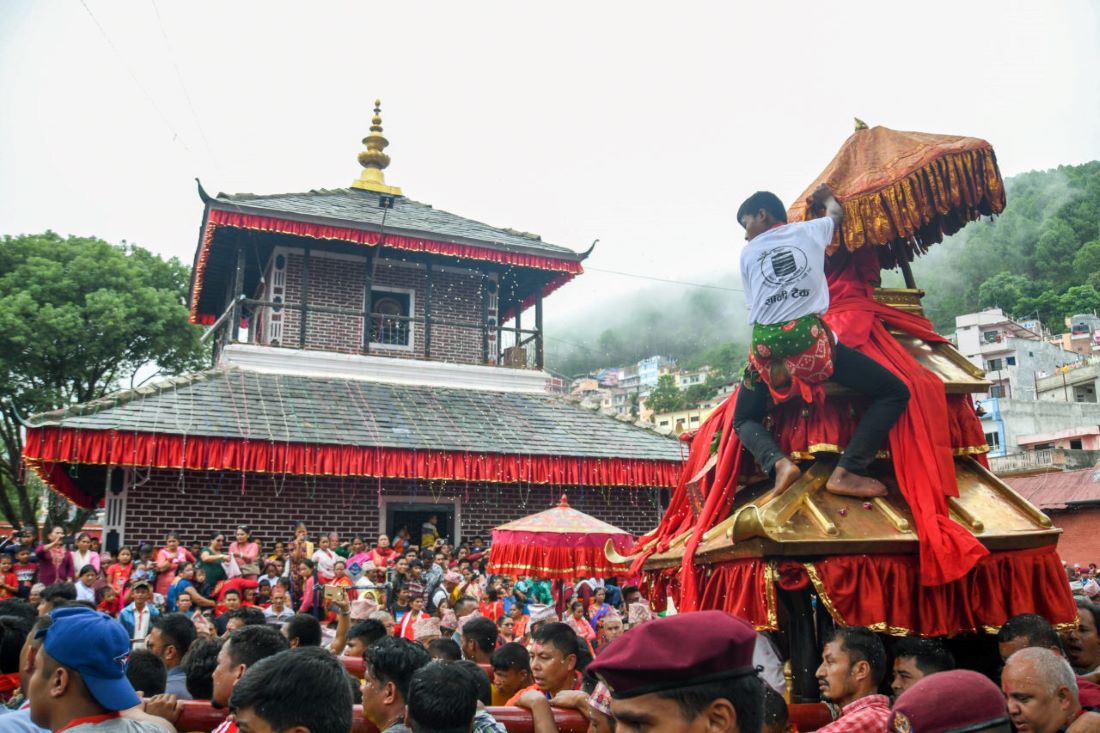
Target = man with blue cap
(79,681)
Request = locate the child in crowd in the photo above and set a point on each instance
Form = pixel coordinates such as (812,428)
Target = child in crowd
(25,571)
(118,574)
(9,582)
(108,601)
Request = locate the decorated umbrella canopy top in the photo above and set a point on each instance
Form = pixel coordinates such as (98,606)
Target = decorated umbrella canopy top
(560,544)
(904,191)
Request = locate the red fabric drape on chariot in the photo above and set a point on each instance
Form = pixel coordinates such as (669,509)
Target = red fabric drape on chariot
(921,442)
(886,593)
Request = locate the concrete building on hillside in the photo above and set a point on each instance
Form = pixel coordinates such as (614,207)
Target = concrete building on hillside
(1079,382)
(1011,355)
(1011,426)
(1083,336)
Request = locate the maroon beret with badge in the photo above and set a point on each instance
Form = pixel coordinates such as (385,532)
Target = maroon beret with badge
(949,702)
(676,651)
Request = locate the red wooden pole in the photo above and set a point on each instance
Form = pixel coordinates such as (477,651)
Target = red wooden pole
(200,717)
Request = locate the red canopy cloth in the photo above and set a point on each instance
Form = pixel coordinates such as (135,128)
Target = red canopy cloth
(907,188)
(885,593)
(920,443)
(560,544)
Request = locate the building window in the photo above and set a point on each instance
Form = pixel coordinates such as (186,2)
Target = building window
(993,365)
(695,418)
(664,423)
(1075,445)
(1010,360)
(997,390)
(388,325)
(991,337)
(993,440)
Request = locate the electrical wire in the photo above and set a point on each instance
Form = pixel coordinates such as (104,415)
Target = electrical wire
(183,86)
(663,280)
(133,76)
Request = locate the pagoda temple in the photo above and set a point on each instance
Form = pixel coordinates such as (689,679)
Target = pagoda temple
(376,361)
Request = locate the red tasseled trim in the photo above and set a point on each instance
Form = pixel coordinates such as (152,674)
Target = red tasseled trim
(45,447)
(218,217)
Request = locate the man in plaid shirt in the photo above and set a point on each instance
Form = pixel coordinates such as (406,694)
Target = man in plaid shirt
(852,667)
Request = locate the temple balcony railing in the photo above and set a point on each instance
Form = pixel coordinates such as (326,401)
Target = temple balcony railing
(266,323)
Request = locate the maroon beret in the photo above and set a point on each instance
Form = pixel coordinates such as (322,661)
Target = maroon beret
(949,702)
(676,651)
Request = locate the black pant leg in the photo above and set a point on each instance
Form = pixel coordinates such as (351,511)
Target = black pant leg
(888,394)
(748,416)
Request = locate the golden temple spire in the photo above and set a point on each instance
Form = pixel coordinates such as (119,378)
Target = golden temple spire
(373,159)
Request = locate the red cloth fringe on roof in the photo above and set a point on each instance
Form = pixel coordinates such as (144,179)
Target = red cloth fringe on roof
(45,447)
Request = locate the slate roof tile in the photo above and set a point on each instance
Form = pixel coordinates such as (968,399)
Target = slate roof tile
(360,209)
(235,403)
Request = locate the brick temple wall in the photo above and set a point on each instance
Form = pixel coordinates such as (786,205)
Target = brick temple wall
(337,282)
(207,502)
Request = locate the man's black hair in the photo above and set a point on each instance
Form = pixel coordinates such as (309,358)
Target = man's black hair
(18,607)
(775,710)
(862,645)
(560,636)
(249,615)
(480,678)
(198,667)
(232,592)
(444,649)
(395,660)
(59,592)
(628,589)
(305,628)
(250,644)
(298,687)
(442,699)
(176,630)
(1089,607)
(146,672)
(13,634)
(464,600)
(765,200)
(368,631)
(930,655)
(481,631)
(1033,628)
(746,694)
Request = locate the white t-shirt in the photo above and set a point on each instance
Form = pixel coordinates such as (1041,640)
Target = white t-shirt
(783,272)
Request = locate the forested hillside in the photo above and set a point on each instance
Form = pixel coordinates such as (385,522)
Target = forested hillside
(1041,256)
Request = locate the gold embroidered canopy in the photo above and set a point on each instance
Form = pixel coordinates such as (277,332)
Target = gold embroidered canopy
(904,191)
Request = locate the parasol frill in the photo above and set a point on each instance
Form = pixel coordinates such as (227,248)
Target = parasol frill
(559,544)
(904,191)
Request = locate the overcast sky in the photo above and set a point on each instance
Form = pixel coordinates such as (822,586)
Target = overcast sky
(642,124)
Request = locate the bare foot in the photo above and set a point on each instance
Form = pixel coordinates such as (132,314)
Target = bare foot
(846,483)
(786,473)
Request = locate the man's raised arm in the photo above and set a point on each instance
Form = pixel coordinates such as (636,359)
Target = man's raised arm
(823,196)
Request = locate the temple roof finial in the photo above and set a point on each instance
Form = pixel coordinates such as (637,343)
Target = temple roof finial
(374,160)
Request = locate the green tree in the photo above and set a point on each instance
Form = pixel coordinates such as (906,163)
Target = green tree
(78,318)
(665,397)
(1056,250)
(1080,299)
(1004,290)
(1086,262)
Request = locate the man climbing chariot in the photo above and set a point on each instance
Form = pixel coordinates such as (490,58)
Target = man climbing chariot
(793,352)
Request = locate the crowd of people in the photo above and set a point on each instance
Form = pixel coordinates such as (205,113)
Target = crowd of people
(425,641)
